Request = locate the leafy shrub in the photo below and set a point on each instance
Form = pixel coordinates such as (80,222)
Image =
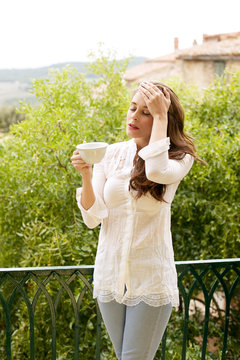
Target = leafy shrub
(9,115)
(206,208)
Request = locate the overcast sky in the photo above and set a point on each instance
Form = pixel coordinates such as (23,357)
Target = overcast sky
(37,33)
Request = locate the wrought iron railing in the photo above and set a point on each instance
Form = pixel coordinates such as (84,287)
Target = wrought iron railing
(22,288)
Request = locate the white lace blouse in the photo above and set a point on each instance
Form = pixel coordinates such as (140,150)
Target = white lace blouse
(134,260)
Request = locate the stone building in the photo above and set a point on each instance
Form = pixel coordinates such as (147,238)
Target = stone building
(198,64)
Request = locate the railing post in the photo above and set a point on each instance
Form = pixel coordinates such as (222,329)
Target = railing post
(98,341)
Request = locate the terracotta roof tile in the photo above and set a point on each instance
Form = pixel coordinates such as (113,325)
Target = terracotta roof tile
(166,58)
(132,74)
(229,48)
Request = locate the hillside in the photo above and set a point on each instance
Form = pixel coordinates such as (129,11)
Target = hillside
(25,75)
(15,84)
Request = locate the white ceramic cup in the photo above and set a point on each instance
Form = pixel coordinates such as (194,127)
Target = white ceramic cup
(92,152)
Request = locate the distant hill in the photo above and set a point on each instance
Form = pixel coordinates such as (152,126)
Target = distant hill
(15,84)
(25,75)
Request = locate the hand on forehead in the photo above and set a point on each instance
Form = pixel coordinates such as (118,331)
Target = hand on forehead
(148,85)
(149,89)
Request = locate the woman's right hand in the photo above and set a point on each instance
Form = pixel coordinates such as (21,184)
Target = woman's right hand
(80,165)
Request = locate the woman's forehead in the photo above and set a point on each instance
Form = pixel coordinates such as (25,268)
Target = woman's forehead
(138,99)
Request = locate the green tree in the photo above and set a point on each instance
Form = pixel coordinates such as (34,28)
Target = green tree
(206,208)
(9,115)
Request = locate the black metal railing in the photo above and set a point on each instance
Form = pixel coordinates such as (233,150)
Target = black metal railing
(22,289)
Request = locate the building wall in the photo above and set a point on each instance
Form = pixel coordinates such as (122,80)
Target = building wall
(161,74)
(202,72)
(233,66)
(198,72)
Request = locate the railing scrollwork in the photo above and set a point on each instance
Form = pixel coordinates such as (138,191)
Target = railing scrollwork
(28,285)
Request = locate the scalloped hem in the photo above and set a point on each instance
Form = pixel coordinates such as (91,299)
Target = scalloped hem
(152,300)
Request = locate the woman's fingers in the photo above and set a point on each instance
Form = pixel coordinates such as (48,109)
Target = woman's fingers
(146,90)
(150,89)
(79,164)
(166,93)
(75,156)
(77,160)
(157,101)
(145,94)
(150,94)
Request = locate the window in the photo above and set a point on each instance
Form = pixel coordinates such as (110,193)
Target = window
(219,67)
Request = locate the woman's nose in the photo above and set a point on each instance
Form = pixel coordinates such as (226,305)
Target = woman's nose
(135,115)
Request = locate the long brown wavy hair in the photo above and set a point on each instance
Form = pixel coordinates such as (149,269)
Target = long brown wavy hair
(180,144)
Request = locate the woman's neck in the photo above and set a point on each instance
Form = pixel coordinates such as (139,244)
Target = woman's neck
(140,143)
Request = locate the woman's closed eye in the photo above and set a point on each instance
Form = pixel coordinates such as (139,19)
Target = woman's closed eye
(144,112)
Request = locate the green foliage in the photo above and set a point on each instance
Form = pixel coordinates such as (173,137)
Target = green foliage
(38,180)
(206,208)
(39,220)
(9,116)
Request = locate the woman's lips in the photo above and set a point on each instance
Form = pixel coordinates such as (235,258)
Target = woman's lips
(133,127)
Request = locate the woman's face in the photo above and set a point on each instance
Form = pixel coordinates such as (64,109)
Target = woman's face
(139,121)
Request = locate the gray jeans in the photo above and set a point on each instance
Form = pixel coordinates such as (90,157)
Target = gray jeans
(135,331)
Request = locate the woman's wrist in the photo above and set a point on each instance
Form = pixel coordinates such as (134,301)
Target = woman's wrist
(162,118)
(88,196)
(159,129)
(86,176)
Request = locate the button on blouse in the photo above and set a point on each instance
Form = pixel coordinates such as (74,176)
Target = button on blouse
(134,260)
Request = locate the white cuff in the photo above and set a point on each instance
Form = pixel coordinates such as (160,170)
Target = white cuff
(98,209)
(154,148)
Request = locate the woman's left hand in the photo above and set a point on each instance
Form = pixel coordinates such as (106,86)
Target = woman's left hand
(158,102)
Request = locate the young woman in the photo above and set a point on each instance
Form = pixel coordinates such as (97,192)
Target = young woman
(130,194)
